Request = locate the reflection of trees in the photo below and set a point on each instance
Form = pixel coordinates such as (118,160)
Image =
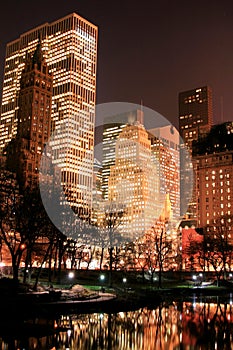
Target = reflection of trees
(208,324)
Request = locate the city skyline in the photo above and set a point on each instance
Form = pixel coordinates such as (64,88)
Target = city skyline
(157,51)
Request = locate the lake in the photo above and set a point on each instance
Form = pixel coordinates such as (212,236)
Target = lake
(196,323)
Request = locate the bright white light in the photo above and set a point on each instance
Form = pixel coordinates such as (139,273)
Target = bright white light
(194,277)
(102,277)
(124,280)
(71,275)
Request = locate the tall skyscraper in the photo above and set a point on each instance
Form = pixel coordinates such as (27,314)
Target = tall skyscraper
(195,120)
(134,182)
(195,113)
(34,120)
(70,48)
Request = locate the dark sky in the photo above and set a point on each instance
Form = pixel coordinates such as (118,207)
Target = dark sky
(149,49)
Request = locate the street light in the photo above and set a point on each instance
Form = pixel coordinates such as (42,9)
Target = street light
(102,278)
(71,275)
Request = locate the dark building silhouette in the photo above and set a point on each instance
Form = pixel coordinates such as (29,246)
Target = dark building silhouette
(195,120)
(195,113)
(34,120)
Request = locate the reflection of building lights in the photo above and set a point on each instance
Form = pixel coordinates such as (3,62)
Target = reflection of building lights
(101,316)
(180,337)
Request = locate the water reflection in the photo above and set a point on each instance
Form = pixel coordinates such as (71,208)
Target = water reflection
(194,324)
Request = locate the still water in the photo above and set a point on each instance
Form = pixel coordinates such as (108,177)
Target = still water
(194,324)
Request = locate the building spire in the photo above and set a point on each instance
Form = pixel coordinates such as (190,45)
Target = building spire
(38,55)
(140,115)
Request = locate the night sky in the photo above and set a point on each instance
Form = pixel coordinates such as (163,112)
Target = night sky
(148,50)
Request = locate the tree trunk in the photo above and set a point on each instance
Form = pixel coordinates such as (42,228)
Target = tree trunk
(110,266)
(160,276)
(40,268)
(15,269)
(101,258)
(26,267)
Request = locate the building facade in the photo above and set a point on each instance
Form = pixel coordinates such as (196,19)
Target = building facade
(213,156)
(70,48)
(134,182)
(166,149)
(34,120)
(112,128)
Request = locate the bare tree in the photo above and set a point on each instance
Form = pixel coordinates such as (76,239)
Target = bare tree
(163,248)
(216,249)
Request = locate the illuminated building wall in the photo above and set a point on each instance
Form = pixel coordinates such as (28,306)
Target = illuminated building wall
(112,128)
(70,49)
(97,198)
(213,156)
(134,182)
(190,237)
(165,147)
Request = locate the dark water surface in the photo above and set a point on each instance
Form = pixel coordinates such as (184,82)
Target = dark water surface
(197,323)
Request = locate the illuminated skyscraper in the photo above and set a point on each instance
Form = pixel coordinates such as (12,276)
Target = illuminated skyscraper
(195,120)
(134,183)
(70,48)
(195,113)
(112,128)
(166,149)
(34,120)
